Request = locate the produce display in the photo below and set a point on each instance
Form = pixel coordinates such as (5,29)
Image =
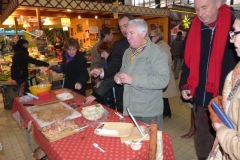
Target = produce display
(6,62)
(5,67)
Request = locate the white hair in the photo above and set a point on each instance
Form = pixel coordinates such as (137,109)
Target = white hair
(140,24)
(223,1)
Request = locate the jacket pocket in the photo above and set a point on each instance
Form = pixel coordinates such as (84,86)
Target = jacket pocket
(140,101)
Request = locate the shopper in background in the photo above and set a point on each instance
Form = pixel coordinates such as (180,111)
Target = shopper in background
(58,45)
(103,90)
(20,60)
(144,74)
(156,36)
(208,58)
(106,34)
(176,48)
(114,66)
(74,67)
(229,102)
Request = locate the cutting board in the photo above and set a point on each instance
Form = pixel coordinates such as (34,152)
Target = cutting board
(124,129)
(75,114)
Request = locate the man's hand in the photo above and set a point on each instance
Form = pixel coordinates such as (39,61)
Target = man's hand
(78,86)
(96,72)
(213,116)
(117,79)
(89,99)
(186,94)
(125,78)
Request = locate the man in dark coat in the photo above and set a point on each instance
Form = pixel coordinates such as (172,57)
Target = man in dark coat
(208,58)
(119,48)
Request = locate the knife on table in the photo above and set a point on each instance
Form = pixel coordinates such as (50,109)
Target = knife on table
(42,103)
(28,104)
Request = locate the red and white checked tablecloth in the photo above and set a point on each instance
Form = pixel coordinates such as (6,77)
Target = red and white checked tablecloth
(80,145)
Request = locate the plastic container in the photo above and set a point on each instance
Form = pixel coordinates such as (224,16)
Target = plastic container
(44,95)
(37,89)
(9,92)
(25,99)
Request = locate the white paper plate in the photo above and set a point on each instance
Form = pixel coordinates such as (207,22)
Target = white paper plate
(64,96)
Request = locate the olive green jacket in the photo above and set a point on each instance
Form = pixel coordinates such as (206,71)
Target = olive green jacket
(150,75)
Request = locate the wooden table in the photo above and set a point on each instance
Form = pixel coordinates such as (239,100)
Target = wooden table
(80,145)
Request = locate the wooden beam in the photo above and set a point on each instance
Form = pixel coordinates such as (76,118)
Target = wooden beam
(61,14)
(16,27)
(38,14)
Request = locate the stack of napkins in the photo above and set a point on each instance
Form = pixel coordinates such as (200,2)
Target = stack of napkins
(106,131)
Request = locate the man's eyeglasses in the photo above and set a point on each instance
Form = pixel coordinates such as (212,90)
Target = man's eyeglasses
(232,34)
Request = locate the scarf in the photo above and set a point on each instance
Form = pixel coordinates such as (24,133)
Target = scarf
(135,51)
(68,58)
(193,51)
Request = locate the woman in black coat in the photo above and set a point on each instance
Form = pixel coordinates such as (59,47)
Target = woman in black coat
(107,97)
(74,67)
(20,60)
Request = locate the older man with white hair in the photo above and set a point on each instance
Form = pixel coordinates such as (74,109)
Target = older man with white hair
(208,58)
(144,74)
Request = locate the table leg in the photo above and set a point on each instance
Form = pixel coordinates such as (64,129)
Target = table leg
(28,137)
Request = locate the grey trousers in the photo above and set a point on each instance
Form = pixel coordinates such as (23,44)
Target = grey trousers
(205,134)
(148,120)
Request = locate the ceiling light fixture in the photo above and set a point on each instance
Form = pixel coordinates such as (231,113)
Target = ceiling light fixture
(79,17)
(69,10)
(154,6)
(96,17)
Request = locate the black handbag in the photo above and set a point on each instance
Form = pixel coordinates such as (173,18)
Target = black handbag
(104,87)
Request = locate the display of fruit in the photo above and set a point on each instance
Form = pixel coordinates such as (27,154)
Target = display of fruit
(4,77)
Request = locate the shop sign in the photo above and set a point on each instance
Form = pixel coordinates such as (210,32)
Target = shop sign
(66,22)
(65,28)
(93,29)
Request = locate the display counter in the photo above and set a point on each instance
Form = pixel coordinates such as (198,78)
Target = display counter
(34,71)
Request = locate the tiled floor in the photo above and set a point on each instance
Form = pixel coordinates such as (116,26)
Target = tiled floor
(15,146)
